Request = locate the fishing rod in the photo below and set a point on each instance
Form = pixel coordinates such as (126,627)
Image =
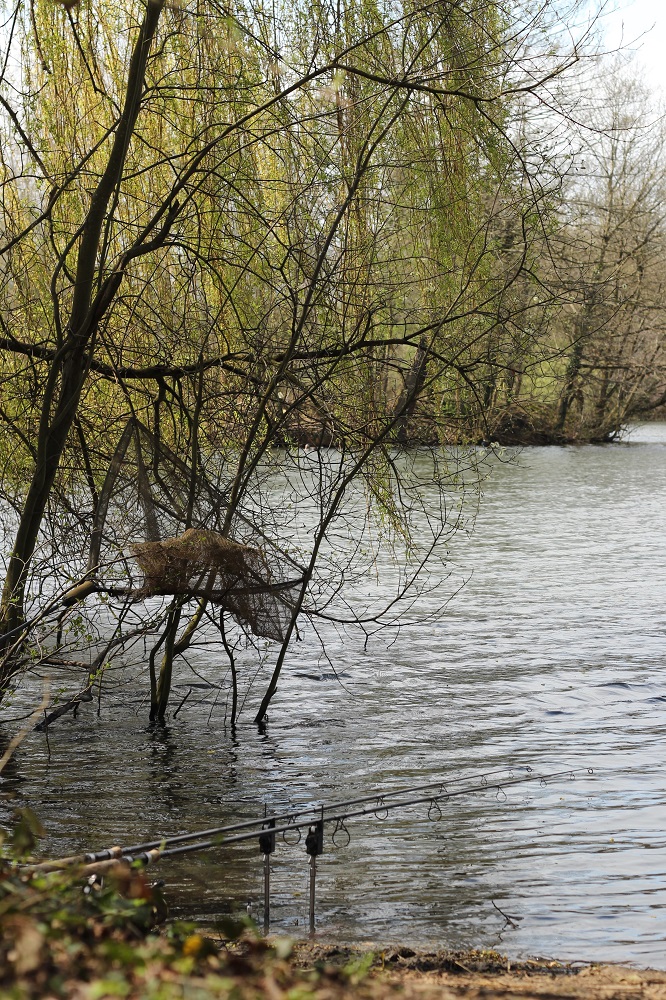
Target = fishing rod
(187,843)
(116,852)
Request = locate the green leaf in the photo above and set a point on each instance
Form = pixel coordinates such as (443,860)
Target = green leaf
(358,968)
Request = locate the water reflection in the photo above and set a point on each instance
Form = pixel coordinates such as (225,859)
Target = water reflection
(550,654)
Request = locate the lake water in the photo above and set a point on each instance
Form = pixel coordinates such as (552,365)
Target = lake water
(551,655)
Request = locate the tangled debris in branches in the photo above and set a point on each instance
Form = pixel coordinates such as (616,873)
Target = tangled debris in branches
(207,565)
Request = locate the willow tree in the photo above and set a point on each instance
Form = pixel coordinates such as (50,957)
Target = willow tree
(222,231)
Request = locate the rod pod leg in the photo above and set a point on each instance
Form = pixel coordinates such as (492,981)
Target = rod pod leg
(313,876)
(314,845)
(267,846)
(267,893)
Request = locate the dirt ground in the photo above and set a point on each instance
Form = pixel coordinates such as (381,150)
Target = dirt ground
(408,975)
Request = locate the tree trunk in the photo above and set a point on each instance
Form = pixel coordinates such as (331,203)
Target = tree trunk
(414,383)
(570,377)
(69,367)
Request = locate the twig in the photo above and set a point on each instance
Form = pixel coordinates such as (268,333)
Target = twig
(513,921)
(182,703)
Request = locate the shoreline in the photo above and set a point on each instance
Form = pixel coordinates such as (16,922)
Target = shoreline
(280,969)
(413,973)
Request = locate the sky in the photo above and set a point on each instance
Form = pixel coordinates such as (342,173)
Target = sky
(640,25)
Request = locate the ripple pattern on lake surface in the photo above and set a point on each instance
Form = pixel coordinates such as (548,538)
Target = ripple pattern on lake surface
(551,655)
